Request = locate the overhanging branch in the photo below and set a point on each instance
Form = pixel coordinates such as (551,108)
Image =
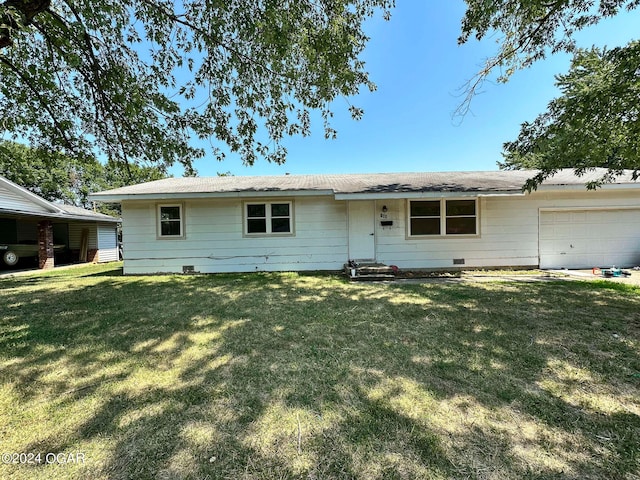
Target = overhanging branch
(43,102)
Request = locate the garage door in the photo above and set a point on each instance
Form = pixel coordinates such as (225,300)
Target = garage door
(589,238)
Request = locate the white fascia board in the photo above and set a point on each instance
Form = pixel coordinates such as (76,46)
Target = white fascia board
(606,186)
(412,195)
(204,195)
(518,193)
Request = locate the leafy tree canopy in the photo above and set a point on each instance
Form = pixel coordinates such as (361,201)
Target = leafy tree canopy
(59,178)
(530,30)
(595,123)
(136,79)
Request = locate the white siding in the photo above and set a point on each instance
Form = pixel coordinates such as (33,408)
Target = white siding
(214,240)
(75,234)
(508,235)
(508,231)
(11,200)
(107,243)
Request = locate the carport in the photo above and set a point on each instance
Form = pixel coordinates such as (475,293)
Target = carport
(31,226)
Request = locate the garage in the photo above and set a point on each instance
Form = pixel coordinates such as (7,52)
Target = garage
(590,238)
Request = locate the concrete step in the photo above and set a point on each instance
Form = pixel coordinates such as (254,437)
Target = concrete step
(369,272)
(371,278)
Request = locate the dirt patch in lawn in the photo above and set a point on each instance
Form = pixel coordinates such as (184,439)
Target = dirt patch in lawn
(480,276)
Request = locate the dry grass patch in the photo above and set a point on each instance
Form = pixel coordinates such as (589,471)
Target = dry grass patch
(304,376)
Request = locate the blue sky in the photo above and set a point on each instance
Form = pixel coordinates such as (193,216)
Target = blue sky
(408,125)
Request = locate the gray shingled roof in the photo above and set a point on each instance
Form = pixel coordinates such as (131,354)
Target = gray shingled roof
(493,181)
(64,212)
(82,213)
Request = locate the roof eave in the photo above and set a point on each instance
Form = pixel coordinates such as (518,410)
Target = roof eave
(118,198)
(115,198)
(425,194)
(58,216)
(581,186)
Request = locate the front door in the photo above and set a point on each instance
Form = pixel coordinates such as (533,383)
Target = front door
(362,240)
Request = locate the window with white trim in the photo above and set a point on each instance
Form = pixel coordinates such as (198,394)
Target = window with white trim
(268,218)
(170,221)
(443,217)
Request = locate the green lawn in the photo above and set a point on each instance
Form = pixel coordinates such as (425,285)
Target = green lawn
(274,376)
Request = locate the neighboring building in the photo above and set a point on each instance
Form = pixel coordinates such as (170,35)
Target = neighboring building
(31,226)
(412,220)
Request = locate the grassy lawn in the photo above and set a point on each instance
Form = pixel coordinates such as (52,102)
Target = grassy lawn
(275,376)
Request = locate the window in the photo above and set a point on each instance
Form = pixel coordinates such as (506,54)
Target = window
(170,221)
(268,218)
(425,218)
(442,217)
(461,217)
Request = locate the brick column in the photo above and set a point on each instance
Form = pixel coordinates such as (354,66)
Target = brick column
(45,244)
(92,255)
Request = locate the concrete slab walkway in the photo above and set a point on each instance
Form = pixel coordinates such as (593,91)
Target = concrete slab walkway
(633,279)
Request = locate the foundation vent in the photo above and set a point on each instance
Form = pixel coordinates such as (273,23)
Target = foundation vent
(458,261)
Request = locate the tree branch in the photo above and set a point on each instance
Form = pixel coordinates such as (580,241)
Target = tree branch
(27,9)
(176,18)
(63,24)
(41,99)
(96,71)
(523,42)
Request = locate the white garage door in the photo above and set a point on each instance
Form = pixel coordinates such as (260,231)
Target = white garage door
(589,238)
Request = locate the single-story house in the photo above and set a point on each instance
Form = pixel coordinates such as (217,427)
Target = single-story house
(31,226)
(411,220)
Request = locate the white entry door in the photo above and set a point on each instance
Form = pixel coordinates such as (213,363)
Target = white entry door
(362,227)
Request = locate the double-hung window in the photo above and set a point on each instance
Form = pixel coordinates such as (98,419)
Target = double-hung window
(461,217)
(424,218)
(269,218)
(443,217)
(170,221)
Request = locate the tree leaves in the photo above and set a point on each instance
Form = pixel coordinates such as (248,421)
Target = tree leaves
(60,178)
(528,31)
(595,123)
(136,80)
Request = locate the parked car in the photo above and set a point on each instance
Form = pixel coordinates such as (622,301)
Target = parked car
(11,253)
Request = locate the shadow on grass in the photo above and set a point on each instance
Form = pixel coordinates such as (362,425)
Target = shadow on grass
(288,376)
(114,272)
